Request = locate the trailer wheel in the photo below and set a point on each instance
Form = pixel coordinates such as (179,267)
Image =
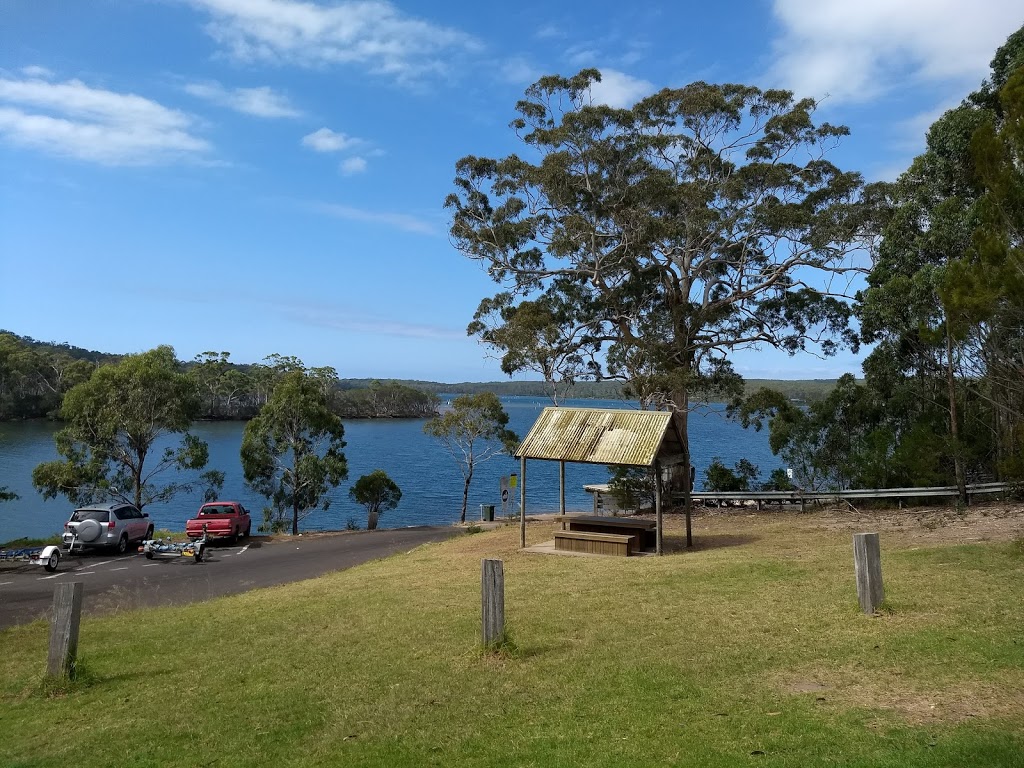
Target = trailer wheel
(52,561)
(198,558)
(149,555)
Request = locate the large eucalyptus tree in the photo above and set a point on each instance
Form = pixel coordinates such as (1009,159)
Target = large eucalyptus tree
(646,244)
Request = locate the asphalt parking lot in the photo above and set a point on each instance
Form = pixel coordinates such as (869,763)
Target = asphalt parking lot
(119,582)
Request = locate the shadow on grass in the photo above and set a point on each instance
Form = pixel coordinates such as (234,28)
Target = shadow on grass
(706,541)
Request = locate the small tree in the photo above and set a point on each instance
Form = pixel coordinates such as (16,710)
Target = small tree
(632,487)
(378,493)
(473,431)
(112,423)
(292,451)
(6,495)
(719,477)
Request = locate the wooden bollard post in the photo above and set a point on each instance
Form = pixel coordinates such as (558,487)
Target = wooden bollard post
(67,614)
(492,601)
(867,565)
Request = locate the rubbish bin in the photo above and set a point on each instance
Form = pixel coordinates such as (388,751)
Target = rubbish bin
(487,513)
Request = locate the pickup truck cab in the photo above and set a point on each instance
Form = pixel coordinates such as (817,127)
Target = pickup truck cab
(222,520)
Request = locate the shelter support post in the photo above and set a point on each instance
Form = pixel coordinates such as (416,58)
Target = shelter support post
(657,506)
(561,491)
(522,502)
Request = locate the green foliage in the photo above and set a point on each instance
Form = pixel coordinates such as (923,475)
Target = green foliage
(384,400)
(378,493)
(778,480)
(945,302)
(35,376)
(632,487)
(292,451)
(473,431)
(6,495)
(113,421)
(718,477)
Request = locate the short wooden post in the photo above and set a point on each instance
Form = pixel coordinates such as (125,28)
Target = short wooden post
(67,614)
(492,601)
(867,565)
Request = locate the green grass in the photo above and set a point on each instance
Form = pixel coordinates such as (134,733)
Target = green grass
(25,542)
(749,651)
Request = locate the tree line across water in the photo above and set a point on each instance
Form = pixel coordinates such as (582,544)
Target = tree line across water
(35,375)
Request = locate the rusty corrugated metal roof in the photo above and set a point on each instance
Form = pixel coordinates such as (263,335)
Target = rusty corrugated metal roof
(600,436)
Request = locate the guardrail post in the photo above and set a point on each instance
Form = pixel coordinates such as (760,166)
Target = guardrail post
(492,601)
(867,566)
(67,614)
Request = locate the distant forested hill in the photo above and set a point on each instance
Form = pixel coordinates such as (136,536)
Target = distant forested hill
(802,390)
(34,375)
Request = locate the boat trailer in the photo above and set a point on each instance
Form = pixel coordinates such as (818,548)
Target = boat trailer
(166,548)
(48,557)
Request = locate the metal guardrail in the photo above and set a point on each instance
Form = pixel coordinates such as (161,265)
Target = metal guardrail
(802,497)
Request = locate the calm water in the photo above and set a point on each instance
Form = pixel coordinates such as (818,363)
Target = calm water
(430,479)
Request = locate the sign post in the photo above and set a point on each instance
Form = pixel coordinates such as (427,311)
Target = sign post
(504,486)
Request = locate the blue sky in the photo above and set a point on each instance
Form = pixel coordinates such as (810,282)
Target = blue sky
(264,176)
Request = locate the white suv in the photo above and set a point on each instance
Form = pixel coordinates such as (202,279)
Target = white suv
(106,525)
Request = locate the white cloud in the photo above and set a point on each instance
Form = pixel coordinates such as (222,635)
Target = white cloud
(549,32)
(854,52)
(259,102)
(401,221)
(618,89)
(326,140)
(371,33)
(353,165)
(519,70)
(40,73)
(75,120)
(338,318)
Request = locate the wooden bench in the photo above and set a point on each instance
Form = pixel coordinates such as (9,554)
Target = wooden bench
(595,543)
(644,530)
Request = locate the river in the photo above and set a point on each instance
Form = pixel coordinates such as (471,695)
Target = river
(429,477)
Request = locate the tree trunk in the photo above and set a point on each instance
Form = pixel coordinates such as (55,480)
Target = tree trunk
(681,398)
(954,421)
(371,519)
(295,493)
(465,495)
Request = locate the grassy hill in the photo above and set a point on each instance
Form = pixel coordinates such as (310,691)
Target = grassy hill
(749,650)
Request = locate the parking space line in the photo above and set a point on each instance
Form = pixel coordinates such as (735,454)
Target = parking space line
(43,578)
(227,554)
(5,583)
(150,565)
(243,549)
(87,573)
(125,568)
(94,565)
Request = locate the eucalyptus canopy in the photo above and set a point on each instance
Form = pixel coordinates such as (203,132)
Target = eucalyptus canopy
(292,452)
(114,423)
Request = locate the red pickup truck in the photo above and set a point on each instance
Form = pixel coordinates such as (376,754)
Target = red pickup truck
(222,519)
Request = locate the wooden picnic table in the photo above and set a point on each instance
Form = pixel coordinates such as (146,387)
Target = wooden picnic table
(644,529)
